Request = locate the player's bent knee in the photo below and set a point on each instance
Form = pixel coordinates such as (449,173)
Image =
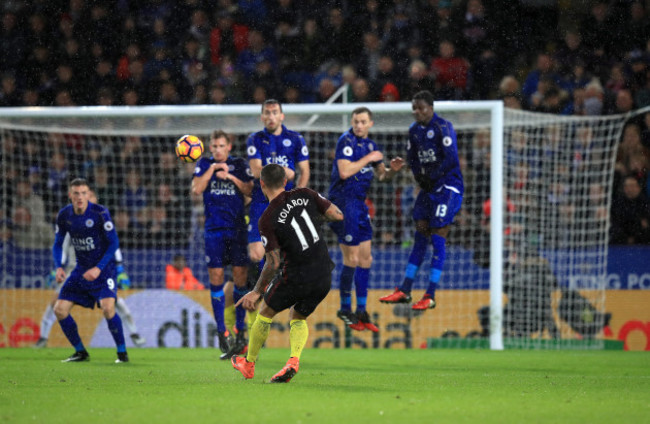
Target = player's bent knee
(61,310)
(366,262)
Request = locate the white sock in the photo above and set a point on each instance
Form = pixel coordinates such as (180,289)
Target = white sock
(125,313)
(47,321)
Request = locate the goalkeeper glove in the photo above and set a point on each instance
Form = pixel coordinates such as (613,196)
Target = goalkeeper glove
(50,280)
(123,281)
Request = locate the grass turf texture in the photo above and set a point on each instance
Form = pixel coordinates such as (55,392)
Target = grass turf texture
(344,386)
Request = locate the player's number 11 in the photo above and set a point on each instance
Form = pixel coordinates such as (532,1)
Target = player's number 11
(301,236)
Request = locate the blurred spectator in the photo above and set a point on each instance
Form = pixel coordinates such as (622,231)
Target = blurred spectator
(134,198)
(29,233)
(597,27)
(361,91)
(9,94)
(254,13)
(287,40)
(340,43)
(159,62)
(56,195)
(400,32)
(161,231)
(12,43)
(368,61)
(389,93)
(509,86)
(34,203)
(370,16)
(256,52)
(571,52)
(576,78)
(630,215)
(388,73)
(104,190)
(309,49)
(326,89)
(637,29)
(624,102)
(131,234)
(418,80)
(227,38)
(178,276)
(132,53)
(265,76)
(6,235)
(176,207)
(450,73)
(104,75)
(544,69)
(617,80)
(594,98)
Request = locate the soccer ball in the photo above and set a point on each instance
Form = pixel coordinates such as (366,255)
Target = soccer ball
(189,148)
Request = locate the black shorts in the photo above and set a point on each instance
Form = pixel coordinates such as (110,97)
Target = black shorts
(304,296)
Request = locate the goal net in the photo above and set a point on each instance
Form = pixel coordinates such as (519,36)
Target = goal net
(526,258)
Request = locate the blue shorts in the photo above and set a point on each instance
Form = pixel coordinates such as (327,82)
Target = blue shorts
(438,208)
(225,247)
(86,293)
(355,227)
(255,210)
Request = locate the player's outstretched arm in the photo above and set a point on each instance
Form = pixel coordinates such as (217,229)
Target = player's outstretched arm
(333,213)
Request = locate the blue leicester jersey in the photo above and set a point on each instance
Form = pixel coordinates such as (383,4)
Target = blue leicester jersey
(286,149)
(352,148)
(92,235)
(432,154)
(223,202)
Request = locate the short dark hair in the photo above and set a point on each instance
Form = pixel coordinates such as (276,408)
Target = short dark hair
(425,95)
(219,134)
(273,176)
(77,182)
(362,109)
(271,102)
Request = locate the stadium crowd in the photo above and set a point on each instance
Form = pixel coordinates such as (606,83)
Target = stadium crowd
(545,56)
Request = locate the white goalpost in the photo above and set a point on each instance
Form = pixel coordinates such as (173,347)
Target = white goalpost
(530,241)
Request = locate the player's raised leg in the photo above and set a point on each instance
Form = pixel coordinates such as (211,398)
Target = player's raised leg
(402,294)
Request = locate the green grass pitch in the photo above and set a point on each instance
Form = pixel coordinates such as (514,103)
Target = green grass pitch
(189,386)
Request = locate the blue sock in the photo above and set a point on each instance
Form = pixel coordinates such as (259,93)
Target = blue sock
(240,312)
(115,327)
(361,277)
(347,275)
(69,327)
(217,298)
(437,262)
(415,260)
